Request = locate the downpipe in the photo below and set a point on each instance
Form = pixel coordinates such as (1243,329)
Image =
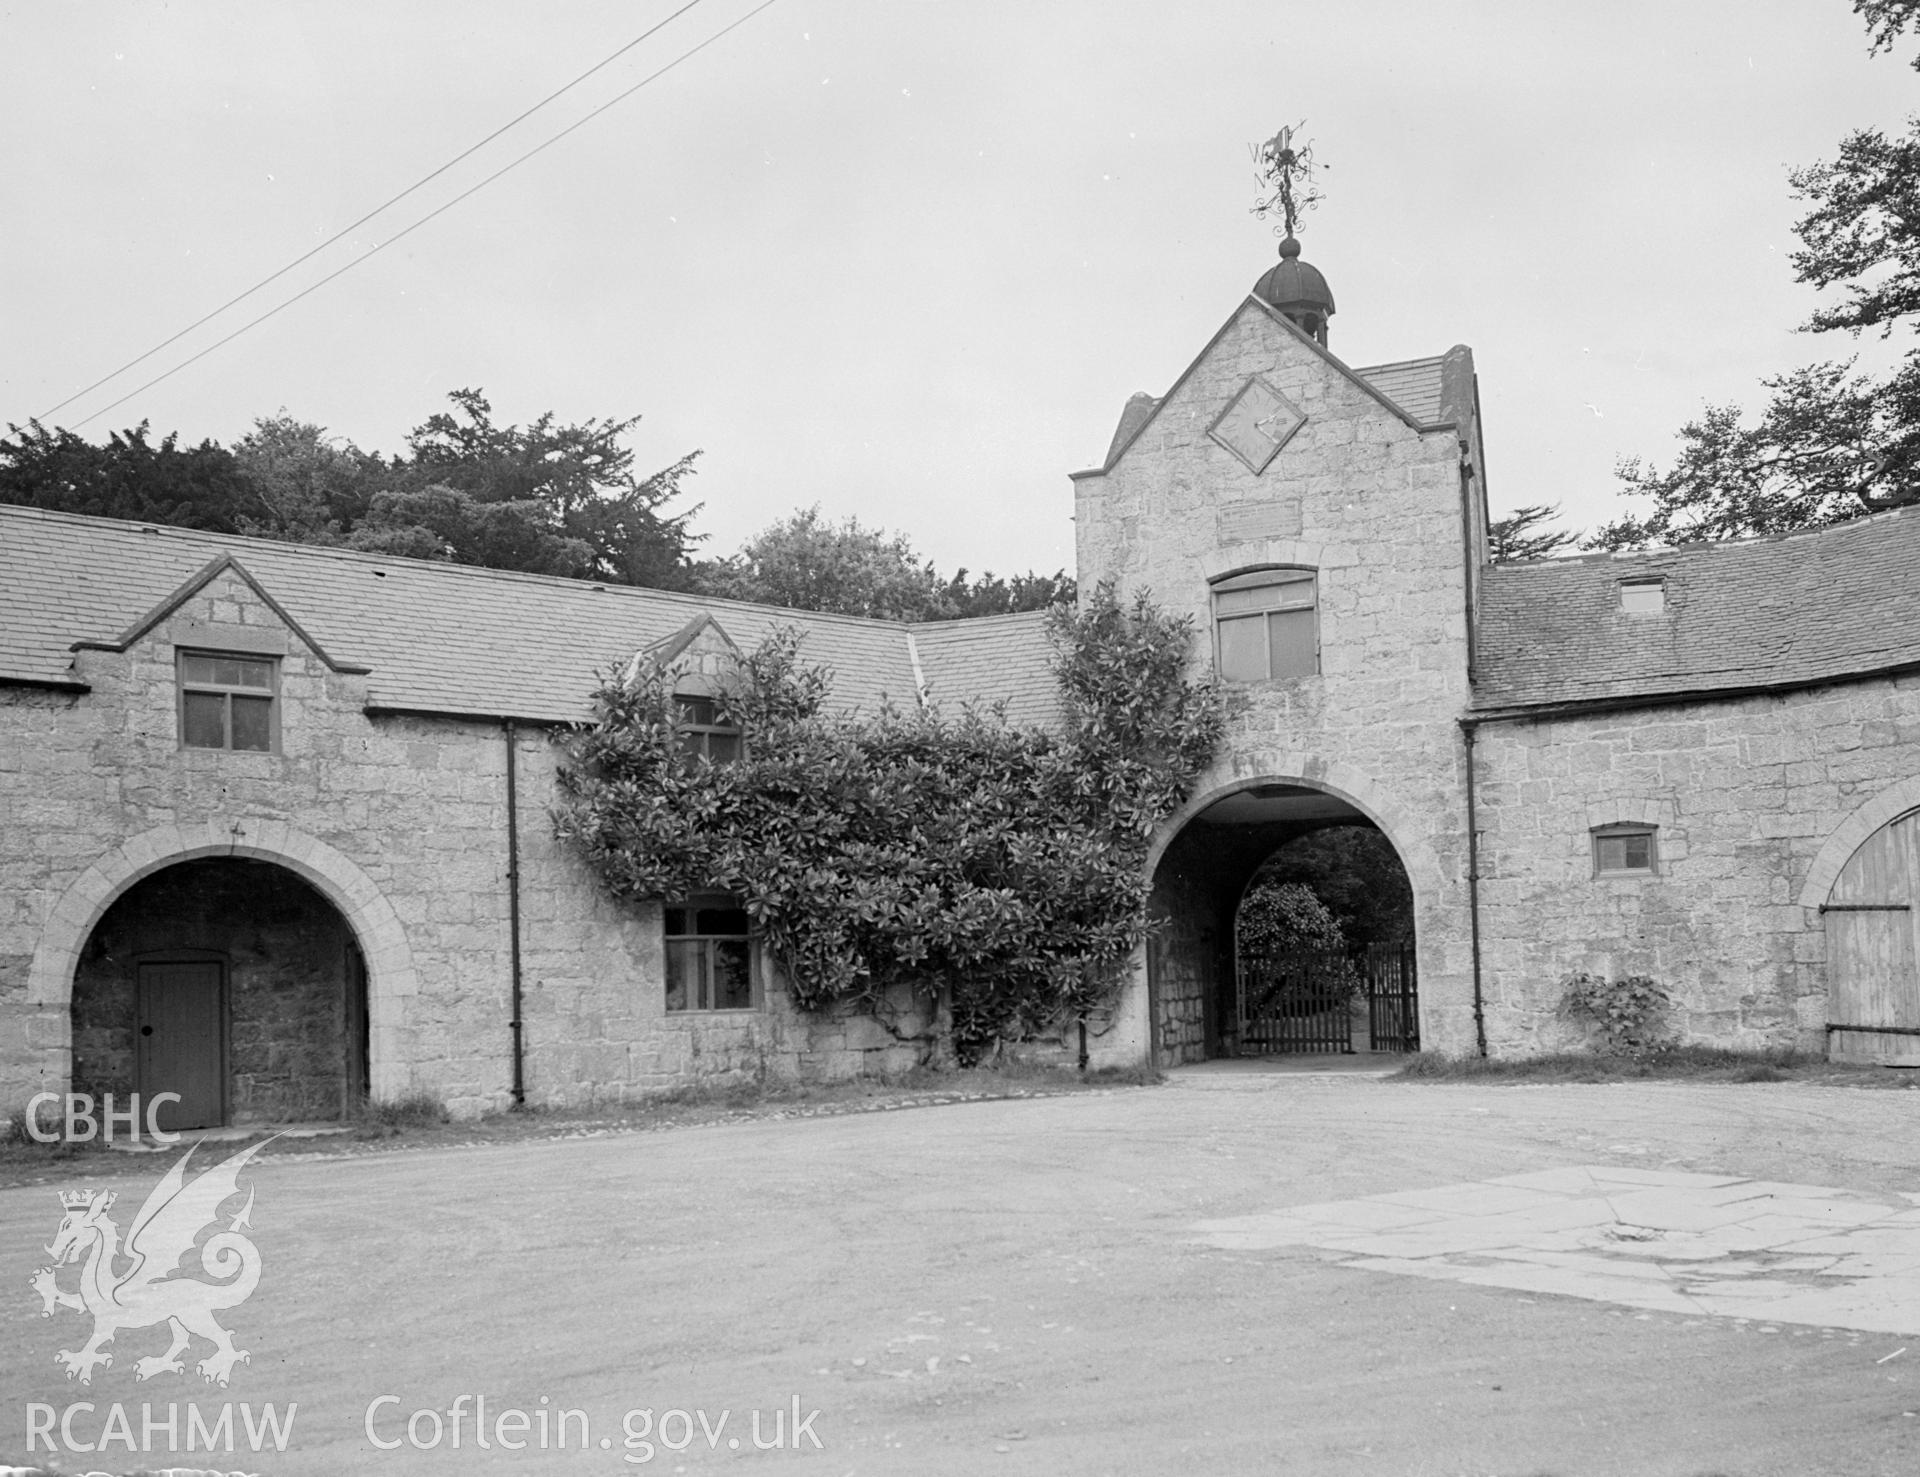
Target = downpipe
(517,1025)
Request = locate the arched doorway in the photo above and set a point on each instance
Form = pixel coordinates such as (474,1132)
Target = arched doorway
(391,981)
(230,982)
(1197,980)
(1873,942)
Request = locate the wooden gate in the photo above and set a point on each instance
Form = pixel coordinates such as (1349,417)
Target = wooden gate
(1393,1004)
(1873,992)
(1303,1002)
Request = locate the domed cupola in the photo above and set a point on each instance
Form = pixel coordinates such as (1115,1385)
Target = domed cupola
(1299,291)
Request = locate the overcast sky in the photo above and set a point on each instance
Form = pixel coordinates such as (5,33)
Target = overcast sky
(908,260)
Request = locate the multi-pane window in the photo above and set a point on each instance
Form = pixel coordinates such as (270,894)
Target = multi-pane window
(1624,851)
(703,732)
(226,702)
(709,956)
(1264,625)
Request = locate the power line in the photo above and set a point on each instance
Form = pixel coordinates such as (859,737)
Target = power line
(349,230)
(357,261)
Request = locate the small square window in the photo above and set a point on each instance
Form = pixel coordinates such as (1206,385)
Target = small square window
(709,956)
(228,702)
(1625,851)
(1643,597)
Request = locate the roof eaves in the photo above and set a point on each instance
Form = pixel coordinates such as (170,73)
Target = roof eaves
(1679,696)
(199,581)
(464,715)
(49,684)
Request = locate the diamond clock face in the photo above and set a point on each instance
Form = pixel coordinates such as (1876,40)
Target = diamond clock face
(1257,422)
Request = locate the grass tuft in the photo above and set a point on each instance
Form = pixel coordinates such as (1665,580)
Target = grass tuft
(1675,1064)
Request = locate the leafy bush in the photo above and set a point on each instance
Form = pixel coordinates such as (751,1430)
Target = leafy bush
(997,868)
(1628,1016)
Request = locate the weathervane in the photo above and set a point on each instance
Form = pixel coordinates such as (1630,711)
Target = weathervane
(1284,172)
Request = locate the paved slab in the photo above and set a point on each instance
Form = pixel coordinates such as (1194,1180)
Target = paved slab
(1682,1243)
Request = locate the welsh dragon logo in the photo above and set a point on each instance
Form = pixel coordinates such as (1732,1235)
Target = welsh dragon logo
(149,1281)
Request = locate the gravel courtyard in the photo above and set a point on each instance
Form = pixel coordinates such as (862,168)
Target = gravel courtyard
(1110,1282)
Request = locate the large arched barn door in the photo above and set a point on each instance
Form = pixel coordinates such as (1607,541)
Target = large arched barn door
(1873,1000)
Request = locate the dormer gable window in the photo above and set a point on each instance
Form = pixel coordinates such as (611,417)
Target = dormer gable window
(1643,597)
(227,700)
(704,730)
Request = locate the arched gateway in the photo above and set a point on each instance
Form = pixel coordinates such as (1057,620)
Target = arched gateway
(1203,1002)
(185,983)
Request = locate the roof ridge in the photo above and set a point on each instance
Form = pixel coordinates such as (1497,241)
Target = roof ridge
(975,620)
(1603,556)
(439,568)
(1419,363)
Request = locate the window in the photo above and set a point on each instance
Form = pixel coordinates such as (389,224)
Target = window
(1643,597)
(702,732)
(1625,851)
(226,702)
(1264,625)
(709,956)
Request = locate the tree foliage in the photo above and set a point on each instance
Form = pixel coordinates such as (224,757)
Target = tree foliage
(996,867)
(1282,918)
(1520,534)
(1355,872)
(1831,443)
(546,498)
(572,488)
(807,562)
(130,476)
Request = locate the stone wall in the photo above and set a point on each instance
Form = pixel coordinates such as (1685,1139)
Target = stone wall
(1749,797)
(1377,508)
(400,822)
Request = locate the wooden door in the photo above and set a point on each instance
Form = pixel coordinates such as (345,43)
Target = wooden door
(1873,999)
(181,1044)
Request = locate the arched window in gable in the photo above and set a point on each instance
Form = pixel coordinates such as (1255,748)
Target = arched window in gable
(1266,625)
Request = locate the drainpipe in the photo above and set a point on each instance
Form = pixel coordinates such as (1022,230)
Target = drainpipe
(513,913)
(1473,899)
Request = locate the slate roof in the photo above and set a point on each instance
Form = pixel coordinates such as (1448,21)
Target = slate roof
(445,638)
(994,659)
(1413,385)
(1784,611)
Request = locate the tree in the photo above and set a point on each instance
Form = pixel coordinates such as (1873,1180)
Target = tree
(991,595)
(307,487)
(573,502)
(1519,536)
(129,477)
(1282,918)
(805,562)
(1831,443)
(1356,873)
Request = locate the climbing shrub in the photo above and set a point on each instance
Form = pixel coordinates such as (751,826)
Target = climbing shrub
(996,866)
(1629,1017)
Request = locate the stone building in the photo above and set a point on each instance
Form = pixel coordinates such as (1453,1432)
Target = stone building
(276,827)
